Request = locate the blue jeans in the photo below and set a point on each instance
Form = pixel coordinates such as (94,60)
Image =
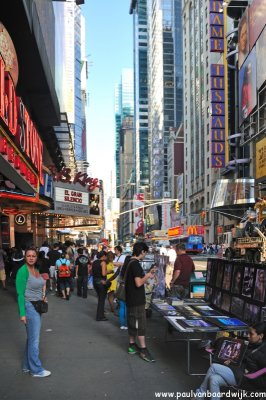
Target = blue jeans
(31,359)
(122,313)
(217,376)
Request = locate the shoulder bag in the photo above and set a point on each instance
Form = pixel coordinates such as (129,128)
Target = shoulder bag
(120,293)
(40,306)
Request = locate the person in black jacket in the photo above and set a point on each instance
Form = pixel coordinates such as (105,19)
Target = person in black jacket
(99,273)
(222,375)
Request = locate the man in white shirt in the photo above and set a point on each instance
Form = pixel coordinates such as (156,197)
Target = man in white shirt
(171,253)
(119,257)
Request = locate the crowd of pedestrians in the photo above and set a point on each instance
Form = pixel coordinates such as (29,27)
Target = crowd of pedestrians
(55,269)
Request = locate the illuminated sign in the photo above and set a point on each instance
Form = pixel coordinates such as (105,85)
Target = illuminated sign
(71,202)
(23,139)
(217,86)
(81,178)
(20,219)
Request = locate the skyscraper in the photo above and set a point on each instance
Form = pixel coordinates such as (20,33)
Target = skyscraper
(139,10)
(165,85)
(124,107)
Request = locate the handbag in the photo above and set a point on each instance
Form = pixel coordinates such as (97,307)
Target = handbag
(40,306)
(120,293)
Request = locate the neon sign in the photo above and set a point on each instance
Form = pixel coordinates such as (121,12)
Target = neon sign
(80,177)
(21,129)
(217,86)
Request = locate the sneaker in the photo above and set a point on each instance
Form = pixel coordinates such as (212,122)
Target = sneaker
(123,327)
(67,296)
(132,348)
(146,355)
(42,374)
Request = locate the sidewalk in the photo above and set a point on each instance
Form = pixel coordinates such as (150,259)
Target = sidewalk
(88,359)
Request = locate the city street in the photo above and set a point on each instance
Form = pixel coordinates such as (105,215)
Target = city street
(89,359)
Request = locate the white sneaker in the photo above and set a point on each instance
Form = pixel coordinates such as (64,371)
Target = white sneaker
(42,374)
(123,327)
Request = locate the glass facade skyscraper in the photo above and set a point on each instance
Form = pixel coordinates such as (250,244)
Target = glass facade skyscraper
(124,107)
(165,85)
(139,10)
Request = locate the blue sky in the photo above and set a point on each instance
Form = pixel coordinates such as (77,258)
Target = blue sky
(109,44)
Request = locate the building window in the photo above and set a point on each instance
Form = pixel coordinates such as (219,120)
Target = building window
(208,198)
(208,162)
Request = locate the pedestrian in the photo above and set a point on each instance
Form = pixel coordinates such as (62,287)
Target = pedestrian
(82,272)
(53,256)
(45,247)
(16,262)
(110,272)
(2,268)
(119,257)
(227,374)
(183,268)
(135,279)
(99,272)
(30,288)
(43,267)
(63,267)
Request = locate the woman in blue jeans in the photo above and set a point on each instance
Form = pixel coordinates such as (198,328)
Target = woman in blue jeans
(30,288)
(219,375)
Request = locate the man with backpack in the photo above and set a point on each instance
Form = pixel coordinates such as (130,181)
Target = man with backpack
(82,272)
(64,275)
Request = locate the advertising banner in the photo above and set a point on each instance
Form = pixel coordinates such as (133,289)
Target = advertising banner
(233,191)
(243,39)
(257,12)
(261,57)
(247,86)
(138,214)
(261,159)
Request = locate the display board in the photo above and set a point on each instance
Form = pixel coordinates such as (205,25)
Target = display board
(236,287)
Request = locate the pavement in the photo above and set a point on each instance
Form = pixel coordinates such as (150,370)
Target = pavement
(89,359)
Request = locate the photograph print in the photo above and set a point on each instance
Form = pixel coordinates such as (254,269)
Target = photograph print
(227,277)
(237,279)
(94,204)
(226,302)
(237,307)
(260,285)
(219,276)
(251,313)
(248,280)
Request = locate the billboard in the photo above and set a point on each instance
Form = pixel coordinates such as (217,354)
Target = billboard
(70,201)
(230,192)
(243,39)
(261,159)
(257,12)
(261,57)
(247,86)
(138,214)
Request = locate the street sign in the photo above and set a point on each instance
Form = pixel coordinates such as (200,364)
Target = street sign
(20,219)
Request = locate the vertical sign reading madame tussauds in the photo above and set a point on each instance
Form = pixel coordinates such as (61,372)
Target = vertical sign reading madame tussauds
(217,85)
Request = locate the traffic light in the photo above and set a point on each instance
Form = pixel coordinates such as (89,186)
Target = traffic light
(177,208)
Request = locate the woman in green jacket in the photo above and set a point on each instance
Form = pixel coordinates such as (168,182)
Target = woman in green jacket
(30,288)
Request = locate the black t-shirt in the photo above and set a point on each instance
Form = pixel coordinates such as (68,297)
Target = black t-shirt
(82,262)
(43,266)
(53,255)
(135,296)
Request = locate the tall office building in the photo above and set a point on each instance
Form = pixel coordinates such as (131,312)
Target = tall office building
(165,86)
(139,10)
(124,107)
(198,173)
(72,76)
